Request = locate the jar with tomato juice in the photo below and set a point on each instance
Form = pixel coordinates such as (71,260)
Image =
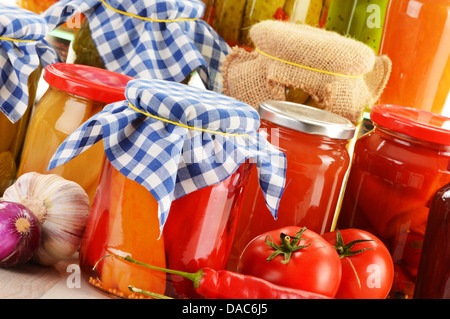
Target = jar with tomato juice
(170,193)
(23,54)
(397,168)
(75,93)
(416,39)
(315,143)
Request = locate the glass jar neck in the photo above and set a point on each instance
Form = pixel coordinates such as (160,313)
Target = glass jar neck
(409,140)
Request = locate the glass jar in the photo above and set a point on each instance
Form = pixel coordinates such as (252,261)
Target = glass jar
(232,19)
(416,39)
(360,19)
(434,268)
(12,136)
(396,170)
(75,93)
(197,234)
(314,142)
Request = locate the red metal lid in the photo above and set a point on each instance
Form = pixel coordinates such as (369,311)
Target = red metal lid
(87,81)
(413,122)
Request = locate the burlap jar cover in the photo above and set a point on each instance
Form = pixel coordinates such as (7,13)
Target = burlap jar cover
(340,74)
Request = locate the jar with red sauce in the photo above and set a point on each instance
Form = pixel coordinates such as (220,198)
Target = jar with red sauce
(176,161)
(396,170)
(315,143)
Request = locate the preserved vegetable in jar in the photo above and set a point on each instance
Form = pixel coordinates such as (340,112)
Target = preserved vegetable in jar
(12,136)
(362,20)
(160,39)
(75,93)
(171,189)
(23,54)
(232,19)
(396,170)
(314,142)
(420,80)
(434,271)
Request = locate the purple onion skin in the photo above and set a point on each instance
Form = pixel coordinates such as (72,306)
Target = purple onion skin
(20,234)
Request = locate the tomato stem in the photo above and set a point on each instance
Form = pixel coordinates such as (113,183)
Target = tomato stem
(288,245)
(345,250)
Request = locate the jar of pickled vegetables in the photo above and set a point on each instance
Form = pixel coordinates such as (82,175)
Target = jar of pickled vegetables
(416,39)
(314,142)
(161,39)
(232,19)
(23,54)
(362,20)
(12,136)
(177,159)
(434,271)
(397,169)
(75,93)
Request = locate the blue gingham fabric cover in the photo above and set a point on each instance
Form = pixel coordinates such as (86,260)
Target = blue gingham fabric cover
(147,49)
(171,160)
(19,59)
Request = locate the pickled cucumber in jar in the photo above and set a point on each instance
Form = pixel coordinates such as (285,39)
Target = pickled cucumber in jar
(304,11)
(228,19)
(362,20)
(257,11)
(84,48)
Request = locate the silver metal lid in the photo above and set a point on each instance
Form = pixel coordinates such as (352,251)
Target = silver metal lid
(307,119)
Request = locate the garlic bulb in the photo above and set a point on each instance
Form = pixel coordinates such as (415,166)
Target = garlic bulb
(62,208)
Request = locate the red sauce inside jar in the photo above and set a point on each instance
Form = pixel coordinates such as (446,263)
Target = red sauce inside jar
(397,168)
(314,142)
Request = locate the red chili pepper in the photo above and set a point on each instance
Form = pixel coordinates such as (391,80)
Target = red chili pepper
(280,15)
(224,284)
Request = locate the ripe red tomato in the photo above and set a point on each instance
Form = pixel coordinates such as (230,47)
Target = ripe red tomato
(367,266)
(298,258)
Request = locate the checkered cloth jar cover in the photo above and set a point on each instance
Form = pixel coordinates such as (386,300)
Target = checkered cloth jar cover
(153,39)
(174,139)
(22,49)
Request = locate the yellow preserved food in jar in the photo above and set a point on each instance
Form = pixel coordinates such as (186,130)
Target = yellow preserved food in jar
(12,136)
(75,93)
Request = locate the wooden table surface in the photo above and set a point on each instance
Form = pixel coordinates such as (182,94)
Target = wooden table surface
(32,281)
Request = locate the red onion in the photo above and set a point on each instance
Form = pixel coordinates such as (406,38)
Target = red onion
(20,234)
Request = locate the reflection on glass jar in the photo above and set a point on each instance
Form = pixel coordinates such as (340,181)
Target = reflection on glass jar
(416,39)
(12,136)
(360,19)
(75,93)
(396,170)
(232,19)
(124,220)
(314,142)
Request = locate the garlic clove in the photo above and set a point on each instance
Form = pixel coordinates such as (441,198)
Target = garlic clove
(62,207)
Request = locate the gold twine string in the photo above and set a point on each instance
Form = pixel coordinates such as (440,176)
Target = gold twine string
(145,18)
(183,125)
(307,67)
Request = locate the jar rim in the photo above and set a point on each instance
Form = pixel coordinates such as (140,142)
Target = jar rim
(87,81)
(307,119)
(416,123)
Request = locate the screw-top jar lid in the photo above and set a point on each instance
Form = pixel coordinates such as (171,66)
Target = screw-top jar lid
(307,119)
(87,81)
(413,122)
